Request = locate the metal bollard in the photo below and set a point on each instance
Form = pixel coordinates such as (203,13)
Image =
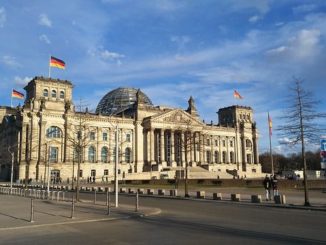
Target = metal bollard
(94,196)
(32,210)
(137,202)
(58,196)
(108,201)
(72,207)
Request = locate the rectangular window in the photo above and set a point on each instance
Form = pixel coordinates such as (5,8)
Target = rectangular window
(231,143)
(92,135)
(216,142)
(93,172)
(208,142)
(53,157)
(106,172)
(80,173)
(105,136)
(128,137)
(223,143)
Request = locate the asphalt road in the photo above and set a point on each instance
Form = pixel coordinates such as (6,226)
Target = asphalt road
(184,222)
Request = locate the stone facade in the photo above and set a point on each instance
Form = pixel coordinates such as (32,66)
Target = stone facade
(48,134)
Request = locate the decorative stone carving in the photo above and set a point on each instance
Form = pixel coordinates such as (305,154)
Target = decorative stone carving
(177,117)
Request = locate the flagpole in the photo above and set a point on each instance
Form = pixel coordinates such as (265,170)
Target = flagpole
(11,98)
(270,143)
(49,66)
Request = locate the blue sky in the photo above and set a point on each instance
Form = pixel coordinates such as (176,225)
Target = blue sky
(170,50)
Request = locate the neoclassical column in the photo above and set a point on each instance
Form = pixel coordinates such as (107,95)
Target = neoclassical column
(98,144)
(194,147)
(162,156)
(220,155)
(148,146)
(202,149)
(152,146)
(243,150)
(110,144)
(182,146)
(172,147)
(212,149)
(227,150)
(191,148)
(133,147)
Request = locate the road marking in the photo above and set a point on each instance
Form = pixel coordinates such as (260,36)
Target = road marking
(61,223)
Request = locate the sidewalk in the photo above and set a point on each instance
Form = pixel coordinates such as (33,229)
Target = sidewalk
(15,212)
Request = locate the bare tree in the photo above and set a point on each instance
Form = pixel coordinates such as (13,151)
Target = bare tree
(78,138)
(299,123)
(185,145)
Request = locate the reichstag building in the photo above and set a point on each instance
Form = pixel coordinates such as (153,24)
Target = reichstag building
(49,134)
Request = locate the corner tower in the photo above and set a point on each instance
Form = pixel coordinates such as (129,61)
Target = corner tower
(47,93)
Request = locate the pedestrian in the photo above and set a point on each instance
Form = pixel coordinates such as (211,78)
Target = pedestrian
(267,186)
(274,185)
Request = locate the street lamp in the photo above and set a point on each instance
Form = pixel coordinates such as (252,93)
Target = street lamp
(48,165)
(12,168)
(116,166)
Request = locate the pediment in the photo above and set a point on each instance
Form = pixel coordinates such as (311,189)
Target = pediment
(176,117)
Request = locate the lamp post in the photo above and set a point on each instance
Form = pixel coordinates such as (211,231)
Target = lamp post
(48,165)
(12,168)
(116,166)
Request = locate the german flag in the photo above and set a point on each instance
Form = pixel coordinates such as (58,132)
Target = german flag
(270,125)
(237,95)
(17,94)
(55,62)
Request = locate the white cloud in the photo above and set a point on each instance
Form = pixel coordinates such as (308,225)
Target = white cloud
(263,6)
(106,54)
(303,46)
(254,18)
(181,41)
(21,81)
(44,38)
(285,140)
(167,5)
(44,20)
(306,42)
(278,50)
(304,8)
(2,17)
(9,61)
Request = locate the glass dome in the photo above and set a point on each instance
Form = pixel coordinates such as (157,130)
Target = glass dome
(120,99)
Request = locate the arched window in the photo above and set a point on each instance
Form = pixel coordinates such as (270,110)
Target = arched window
(128,155)
(208,156)
(45,93)
(53,132)
(224,156)
(54,94)
(104,154)
(62,94)
(91,154)
(216,157)
(231,157)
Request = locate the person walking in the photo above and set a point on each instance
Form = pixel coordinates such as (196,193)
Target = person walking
(267,186)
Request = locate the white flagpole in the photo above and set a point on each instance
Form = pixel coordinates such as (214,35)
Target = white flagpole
(50,66)
(270,144)
(11,97)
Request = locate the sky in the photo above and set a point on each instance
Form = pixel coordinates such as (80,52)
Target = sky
(171,50)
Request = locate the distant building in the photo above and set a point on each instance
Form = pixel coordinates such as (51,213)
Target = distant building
(48,130)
